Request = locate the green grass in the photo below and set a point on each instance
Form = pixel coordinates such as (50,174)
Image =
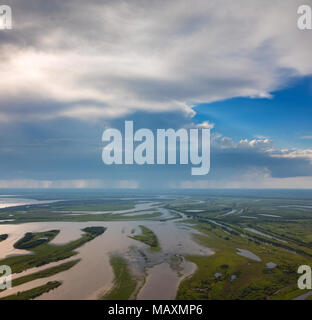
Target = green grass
(254,281)
(44,273)
(298,231)
(148,237)
(46,253)
(33,293)
(124,282)
(3,237)
(289,293)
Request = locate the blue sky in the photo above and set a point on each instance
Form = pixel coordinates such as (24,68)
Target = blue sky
(285,118)
(241,67)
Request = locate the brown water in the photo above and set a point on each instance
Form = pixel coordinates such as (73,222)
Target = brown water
(93,276)
(166,281)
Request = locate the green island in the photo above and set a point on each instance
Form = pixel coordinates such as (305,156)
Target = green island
(3,237)
(44,273)
(148,237)
(45,253)
(33,293)
(32,240)
(124,282)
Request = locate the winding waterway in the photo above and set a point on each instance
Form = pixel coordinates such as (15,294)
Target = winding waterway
(92,277)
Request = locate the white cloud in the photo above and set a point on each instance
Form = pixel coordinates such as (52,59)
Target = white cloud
(258,144)
(205,125)
(224,142)
(294,153)
(263,145)
(115,57)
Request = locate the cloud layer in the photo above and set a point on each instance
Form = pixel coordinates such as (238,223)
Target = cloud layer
(68,69)
(108,59)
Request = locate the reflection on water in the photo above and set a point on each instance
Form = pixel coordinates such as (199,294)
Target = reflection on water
(93,275)
(14,202)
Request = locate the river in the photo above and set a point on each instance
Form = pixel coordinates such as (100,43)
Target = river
(93,275)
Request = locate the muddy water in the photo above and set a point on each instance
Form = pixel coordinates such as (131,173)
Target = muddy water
(165,280)
(93,276)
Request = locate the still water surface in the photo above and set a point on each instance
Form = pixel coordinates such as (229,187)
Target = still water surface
(93,275)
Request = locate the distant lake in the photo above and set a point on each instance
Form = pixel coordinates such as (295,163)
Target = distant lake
(6,202)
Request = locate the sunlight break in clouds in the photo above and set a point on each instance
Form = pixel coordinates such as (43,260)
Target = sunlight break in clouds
(120,57)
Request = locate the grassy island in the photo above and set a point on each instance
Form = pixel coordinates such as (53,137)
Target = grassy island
(148,237)
(43,252)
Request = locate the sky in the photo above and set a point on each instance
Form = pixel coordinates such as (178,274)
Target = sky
(70,69)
